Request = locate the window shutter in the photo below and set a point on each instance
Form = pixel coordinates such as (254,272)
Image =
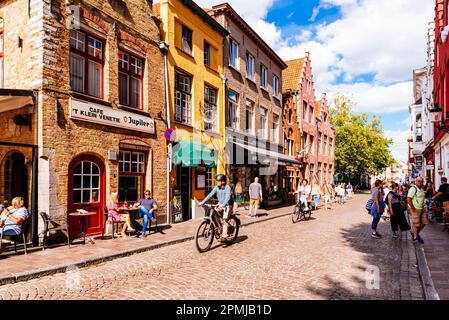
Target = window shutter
(214,58)
(178,35)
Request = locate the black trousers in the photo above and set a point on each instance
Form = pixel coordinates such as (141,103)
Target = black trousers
(398,221)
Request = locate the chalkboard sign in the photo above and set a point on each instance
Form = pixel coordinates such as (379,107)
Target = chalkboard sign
(177,206)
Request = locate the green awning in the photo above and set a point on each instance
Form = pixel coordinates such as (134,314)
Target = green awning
(191,154)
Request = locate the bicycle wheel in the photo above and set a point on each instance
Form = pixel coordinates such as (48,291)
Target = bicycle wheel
(204,236)
(307,215)
(233,230)
(296,215)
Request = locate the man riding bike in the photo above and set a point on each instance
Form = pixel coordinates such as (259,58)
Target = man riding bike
(225,202)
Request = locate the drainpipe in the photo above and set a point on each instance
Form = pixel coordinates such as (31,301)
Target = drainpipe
(223,133)
(163,46)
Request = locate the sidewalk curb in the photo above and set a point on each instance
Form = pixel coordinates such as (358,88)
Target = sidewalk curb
(38,273)
(430,292)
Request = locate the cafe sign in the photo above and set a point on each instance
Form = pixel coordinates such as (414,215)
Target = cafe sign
(96,113)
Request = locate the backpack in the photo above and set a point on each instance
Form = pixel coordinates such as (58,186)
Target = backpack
(369,204)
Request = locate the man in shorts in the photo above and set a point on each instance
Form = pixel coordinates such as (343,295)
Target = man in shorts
(255,197)
(415,198)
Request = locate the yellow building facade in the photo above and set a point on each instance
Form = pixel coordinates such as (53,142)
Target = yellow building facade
(196,98)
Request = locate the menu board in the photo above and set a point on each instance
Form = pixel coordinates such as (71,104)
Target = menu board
(177,206)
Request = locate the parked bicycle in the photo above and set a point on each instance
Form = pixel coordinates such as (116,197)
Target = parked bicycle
(211,228)
(299,212)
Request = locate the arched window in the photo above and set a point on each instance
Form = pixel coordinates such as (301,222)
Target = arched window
(86,182)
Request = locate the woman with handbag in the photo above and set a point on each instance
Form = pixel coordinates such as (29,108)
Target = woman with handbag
(377,207)
(397,217)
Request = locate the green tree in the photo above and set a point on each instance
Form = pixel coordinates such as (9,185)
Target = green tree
(360,145)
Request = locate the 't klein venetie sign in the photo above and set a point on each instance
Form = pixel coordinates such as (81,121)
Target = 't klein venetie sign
(96,113)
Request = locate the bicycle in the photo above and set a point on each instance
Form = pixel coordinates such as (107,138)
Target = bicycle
(300,214)
(211,228)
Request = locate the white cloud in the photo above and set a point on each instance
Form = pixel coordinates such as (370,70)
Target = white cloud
(255,16)
(372,97)
(382,38)
(399,149)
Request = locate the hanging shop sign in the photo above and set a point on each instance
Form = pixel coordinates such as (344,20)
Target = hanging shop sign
(96,113)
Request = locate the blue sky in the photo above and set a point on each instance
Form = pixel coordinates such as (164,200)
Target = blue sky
(366,49)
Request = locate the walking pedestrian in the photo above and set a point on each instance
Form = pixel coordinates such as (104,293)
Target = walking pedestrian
(255,195)
(430,193)
(349,190)
(328,192)
(397,217)
(385,190)
(340,192)
(316,192)
(415,199)
(377,208)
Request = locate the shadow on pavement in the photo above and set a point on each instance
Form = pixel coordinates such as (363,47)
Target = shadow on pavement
(225,245)
(382,257)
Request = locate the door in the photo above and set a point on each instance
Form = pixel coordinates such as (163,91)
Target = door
(16,178)
(184,182)
(86,191)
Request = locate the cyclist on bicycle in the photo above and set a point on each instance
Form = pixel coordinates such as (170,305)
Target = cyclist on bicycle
(225,202)
(304,191)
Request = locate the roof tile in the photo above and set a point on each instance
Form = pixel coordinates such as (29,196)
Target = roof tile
(292,75)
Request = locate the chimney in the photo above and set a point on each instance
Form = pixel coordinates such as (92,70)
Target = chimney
(324,97)
(307,54)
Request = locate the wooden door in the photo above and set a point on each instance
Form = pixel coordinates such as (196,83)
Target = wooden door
(86,191)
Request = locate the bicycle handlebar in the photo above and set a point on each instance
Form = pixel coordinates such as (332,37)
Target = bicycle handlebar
(210,205)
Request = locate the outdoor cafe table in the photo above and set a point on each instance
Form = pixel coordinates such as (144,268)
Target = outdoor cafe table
(83,223)
(133,213)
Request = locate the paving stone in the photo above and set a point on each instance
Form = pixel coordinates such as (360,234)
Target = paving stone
(324,258)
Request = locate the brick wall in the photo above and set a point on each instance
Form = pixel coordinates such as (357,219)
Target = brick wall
(138,32)
(43,63)
(22,64)
(250,89)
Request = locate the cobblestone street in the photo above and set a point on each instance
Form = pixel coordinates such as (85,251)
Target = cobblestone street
(328,257)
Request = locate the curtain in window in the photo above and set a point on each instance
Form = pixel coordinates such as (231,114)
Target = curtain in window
(76,72)
(94,85)
(123,88)
(135,92)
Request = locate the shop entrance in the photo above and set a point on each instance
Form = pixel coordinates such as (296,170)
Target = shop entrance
(87,192)
(184,186)
(16,178)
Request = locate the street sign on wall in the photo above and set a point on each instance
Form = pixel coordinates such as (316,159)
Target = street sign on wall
(96,113)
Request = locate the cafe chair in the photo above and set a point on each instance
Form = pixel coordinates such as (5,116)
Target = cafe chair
(21,237)
(52,225)
(114,224)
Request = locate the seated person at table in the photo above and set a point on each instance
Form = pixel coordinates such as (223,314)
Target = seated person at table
(114,214)
(11,218)
(146,210)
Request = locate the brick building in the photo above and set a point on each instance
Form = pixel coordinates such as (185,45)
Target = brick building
(440,88)
(253,72)
(307,130)
(292,122)
(90,105)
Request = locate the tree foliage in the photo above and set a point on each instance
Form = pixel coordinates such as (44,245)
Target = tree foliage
(360,146)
